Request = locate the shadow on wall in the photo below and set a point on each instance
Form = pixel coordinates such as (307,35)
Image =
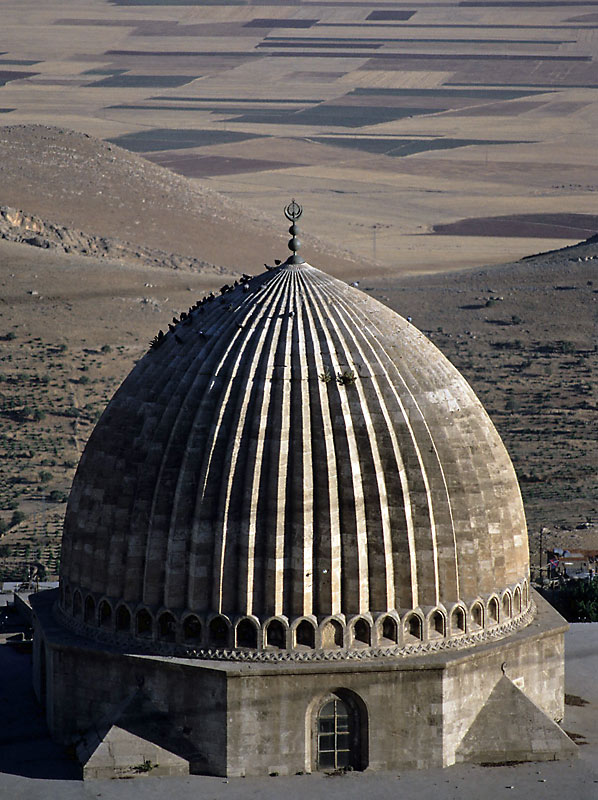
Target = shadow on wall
(26,748)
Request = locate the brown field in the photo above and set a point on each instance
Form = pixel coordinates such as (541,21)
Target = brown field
(506,91)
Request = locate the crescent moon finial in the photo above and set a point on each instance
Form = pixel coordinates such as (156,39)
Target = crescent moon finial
(293,211)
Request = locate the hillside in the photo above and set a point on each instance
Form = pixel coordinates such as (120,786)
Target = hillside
(75,181)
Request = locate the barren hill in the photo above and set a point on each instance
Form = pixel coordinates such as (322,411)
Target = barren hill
(81,183)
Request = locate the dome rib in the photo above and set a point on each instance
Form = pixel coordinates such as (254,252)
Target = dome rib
(420,572)
(248,358)
(450,586)
(300,492)
(379,551)
(410,579)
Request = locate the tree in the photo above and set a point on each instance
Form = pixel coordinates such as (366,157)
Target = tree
(17,516)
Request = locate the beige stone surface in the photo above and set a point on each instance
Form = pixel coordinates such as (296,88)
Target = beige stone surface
(239,719)
(293,448)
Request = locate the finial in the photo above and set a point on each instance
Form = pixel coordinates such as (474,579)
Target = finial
(292,212)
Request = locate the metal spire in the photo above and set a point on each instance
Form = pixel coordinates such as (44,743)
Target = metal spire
(292,212)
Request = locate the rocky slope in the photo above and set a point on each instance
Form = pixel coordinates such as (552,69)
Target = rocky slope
(16,226)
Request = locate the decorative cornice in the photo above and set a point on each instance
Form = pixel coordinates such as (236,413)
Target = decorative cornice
(457,642)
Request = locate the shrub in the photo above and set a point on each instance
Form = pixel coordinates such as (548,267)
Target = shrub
(18,516)
(45,476)
(577,600)
(56,496)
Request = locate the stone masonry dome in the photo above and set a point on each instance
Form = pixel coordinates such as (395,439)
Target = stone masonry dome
(294,470)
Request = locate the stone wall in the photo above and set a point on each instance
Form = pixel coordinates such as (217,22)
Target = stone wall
(494,701)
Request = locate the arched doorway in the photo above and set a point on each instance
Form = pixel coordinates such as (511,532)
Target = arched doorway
(339,734)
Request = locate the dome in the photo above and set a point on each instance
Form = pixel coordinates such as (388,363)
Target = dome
(294,466)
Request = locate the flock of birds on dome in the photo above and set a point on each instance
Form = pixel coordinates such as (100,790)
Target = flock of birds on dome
(185,316)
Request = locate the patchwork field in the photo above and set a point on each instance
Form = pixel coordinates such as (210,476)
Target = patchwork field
(398,125)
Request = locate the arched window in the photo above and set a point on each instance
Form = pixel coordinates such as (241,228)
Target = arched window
(77,603)
(414,627)
(305,634)
(390,631)
(506,606)
(458,621)
(517,600)
(276,635)
(493,610)
(123,619)
(341,732)
(332,634)
(105,614)
(90,610)
(247,634)
(144,623)
(437,625)
(477,615)
(361,632)
(166,627)
(192,629)
(219,632)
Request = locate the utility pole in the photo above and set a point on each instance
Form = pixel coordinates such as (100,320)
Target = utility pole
(374,229)
(541,549)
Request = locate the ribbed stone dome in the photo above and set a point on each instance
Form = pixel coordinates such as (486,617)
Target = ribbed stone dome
(293,449)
